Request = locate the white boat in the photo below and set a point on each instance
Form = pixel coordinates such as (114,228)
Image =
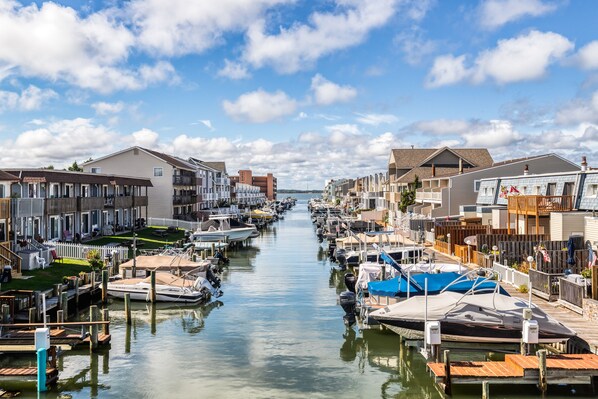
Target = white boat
(221,230)
(169,288)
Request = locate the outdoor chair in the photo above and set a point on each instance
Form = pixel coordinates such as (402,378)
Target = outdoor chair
(55,257)
(41,262)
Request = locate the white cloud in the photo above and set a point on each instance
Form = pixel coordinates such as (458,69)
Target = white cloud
(443,126)
(414,46)
(579,111)
(30,99)
(260,106)
(179,27)
(376,119)
(53,42)
(525,57)
(496,13)
(493,134)
(301,45)
(234,71)
(207,123)
(447,70)
(144,138)
(327,92)
(104,108)
(588,55)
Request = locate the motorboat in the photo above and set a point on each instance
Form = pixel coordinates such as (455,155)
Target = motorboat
(472,317)
(399,254)
(218,228)
(169,288)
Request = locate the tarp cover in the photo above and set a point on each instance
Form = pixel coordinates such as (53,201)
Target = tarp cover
(397,287)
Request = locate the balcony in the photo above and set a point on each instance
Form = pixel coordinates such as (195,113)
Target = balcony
(27,207)
(539,205)
(4,208)
(55,206)
(184,199)
(179,180)
(89,203)
(429,194)
(140,200)
(123,202)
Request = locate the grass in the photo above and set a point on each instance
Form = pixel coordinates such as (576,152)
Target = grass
(43,279)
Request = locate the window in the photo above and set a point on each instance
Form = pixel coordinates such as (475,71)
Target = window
(96,170)
(476,185)
(2,191)
(593,190)
(537,190)
(158,172)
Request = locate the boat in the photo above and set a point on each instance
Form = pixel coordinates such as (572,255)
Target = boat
(169,288)
(471,317)
(219,229)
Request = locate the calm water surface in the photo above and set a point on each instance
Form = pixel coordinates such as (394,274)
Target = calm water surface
(276,333)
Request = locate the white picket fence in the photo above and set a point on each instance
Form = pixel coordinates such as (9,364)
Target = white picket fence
(182,224)
(511,276)
(79,251)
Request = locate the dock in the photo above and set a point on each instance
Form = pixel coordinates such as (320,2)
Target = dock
(518,369)
(30,373)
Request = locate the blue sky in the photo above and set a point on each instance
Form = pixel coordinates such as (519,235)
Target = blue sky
(307,90)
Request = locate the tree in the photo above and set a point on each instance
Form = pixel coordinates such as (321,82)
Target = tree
(75,168)
(51,167)
(408,197)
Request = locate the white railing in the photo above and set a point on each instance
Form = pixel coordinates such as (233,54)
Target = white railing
(79,251)
(183,224)
(511,276)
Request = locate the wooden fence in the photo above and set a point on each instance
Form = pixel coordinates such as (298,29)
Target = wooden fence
(572,293)
(491,240)
(441,246)
(545,285)
(458,233)
(518,251)
(482,259)
(79,251)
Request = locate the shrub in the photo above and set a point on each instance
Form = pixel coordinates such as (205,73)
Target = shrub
(95,259)
(523,289)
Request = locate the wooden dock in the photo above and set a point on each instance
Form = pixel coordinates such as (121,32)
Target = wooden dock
(30,373)
(518,369)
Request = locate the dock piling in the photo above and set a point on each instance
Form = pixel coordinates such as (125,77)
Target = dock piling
(77,284)
(153,286)
(542,383)
(32,315)
(64,304)
(42,357)
(5,314)
(106,317)
(93,329)
(128,308)
(485,390)
(105,279)
(60,317)
(448,389)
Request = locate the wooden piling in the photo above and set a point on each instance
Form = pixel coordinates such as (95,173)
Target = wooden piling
(37,299)
(106,317)
(105,279)
(5,314)
(60,317)
(485,390)
(542,383)
(56,291)
(32,315)
(64,304)
(93,329)
(213,248)
(153,286)
(203,254)
(77,284)
(448,388)
(128,308)
(93,281)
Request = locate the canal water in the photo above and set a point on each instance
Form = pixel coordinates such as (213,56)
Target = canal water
(276,333)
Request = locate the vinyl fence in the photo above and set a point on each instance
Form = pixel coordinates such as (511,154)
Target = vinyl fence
(183,224)
(79,251)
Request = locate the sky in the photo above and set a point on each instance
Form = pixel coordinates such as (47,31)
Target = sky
(307,90)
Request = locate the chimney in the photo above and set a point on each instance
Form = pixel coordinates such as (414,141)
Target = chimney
(526,170)
(433,170)
(584,164)
(460,165)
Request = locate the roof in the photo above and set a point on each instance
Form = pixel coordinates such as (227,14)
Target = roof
(172,160)
(65,176)
(221,166)
(4,176)
(407,158)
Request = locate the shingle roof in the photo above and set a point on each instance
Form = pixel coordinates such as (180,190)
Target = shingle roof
(65,176)
(221,166)
(407,158)
(174,161)
(4,176)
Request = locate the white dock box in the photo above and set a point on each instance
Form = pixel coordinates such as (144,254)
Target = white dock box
(531,332)
(42,338)
(433,333)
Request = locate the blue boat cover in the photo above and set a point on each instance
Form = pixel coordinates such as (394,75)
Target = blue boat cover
(398,286)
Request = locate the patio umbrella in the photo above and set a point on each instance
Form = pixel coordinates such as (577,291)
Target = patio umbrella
(591,255)
(570,251)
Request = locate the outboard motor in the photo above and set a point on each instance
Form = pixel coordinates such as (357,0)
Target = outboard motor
(212,278)
(320,234)
(347,302)
(350,282)
(220,256)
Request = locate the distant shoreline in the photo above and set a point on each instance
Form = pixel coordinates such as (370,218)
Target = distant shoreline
(287,191)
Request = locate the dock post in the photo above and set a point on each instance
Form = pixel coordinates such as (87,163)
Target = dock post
(77,284)
(64,304)
(60,317)
(93,283)
(106,317)
(542,383)
(93,329)
(153,286)
(448,388)
(105,279)
(32,315)
(42,358)
(153,319)
(213,248)
(203,254)
(37,299)
(57,291)
(128,308)
(5,314)
(128,338)
(485,390)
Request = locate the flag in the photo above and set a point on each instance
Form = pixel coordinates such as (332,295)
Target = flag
(513,190)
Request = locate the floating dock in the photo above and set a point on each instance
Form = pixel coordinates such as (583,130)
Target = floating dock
(542,370)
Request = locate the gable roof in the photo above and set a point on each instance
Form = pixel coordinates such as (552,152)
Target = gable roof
(4,176)
(65,176)
(407,158)
(169,159)
(220,166)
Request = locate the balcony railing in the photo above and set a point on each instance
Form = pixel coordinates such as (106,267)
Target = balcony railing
(184,199)
(27,207)
(183,180)
(55,206)
(539,205)
(140,200)
(4,208)
(90,203)
(428,194)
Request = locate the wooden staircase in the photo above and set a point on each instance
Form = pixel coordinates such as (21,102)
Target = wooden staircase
(8,257)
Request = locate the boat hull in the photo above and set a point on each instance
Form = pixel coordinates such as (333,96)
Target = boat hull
(144,295)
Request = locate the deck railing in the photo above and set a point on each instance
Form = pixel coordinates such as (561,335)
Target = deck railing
(545,285)
(538,205)
(79,251)
(572,293)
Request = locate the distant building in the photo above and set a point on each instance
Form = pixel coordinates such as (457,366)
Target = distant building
(267,184)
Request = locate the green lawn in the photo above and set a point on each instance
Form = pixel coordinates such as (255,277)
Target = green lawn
(43,279)
(46,278)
